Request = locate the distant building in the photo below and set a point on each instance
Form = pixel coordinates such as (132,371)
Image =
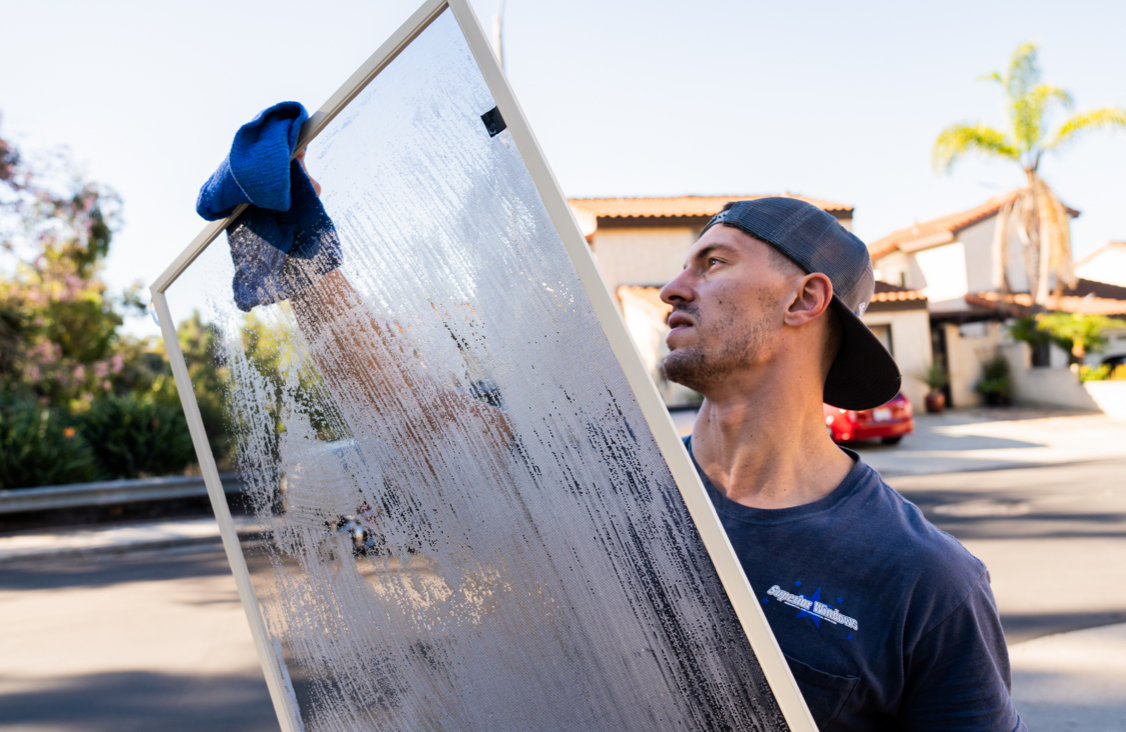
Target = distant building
(950,260)
(1107,264)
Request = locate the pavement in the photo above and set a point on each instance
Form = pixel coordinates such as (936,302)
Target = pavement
(109,539)
(1039,496)
(128,642)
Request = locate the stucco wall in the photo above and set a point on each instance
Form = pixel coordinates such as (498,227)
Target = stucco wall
(978,240)
(967,347)
(892,268)
(1107,265)
(944,271)
(1052,387)
(642,256)
(973,247)
(1110,396)
(910,345)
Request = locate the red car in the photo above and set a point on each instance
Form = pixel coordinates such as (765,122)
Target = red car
(888,423)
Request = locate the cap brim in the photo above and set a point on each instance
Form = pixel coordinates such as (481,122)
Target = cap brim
(864,375)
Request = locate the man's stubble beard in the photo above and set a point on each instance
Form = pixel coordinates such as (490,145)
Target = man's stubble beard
(729,348)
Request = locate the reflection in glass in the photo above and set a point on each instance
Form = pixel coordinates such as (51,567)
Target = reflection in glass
(461,519)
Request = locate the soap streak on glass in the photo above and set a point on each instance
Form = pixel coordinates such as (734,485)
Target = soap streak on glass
(463,521)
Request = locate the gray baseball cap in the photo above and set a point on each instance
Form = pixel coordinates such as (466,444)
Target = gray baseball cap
(864,375)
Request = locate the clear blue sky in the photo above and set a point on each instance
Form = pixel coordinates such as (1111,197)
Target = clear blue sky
(840,101)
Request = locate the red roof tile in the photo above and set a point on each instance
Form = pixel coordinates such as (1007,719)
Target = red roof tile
(1067,303)
(679,205)
(951,223)
(907,296)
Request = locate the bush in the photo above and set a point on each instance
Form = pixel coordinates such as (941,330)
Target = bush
(1102,373)
(994,383)
(37,447)
(134,437)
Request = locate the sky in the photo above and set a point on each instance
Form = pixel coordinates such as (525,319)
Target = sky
(840,101)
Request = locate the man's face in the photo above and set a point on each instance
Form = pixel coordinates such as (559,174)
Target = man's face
(727,309)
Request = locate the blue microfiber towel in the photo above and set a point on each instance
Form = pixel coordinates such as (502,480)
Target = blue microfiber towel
(257,169)
(284,240)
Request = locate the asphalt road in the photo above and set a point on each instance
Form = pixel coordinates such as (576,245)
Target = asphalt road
(121,643)
(144,641)
(1053,538)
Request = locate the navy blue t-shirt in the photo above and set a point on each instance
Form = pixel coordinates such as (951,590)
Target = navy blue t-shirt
(887,622)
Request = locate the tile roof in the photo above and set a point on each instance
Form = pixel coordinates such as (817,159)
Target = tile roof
(951,223)
(679,205)
(1109,247)
(886,292)
(1086,298)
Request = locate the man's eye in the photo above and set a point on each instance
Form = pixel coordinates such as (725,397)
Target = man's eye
(714,261)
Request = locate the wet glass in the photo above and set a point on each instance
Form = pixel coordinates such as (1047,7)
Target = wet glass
(459,517)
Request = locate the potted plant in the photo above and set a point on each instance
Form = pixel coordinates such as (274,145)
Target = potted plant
(935,377)
(994,384)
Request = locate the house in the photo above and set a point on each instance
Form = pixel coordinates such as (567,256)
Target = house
(950,260)
(1107,264)
(640,244)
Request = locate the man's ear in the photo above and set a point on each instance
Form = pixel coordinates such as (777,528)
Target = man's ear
(811,296)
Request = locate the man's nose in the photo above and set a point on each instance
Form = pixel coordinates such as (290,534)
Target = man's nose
(679,290)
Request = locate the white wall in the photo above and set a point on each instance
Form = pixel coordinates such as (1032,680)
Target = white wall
(944,271)
(949,271)
(893,269)
(978,241)
(1110,396)
(967,347)
(1052,387)
(910,345)
(1108,265)
(641,256)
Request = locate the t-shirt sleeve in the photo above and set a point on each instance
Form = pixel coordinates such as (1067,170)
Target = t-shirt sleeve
(957,675)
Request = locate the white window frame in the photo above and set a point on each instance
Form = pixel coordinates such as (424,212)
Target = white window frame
(730,571)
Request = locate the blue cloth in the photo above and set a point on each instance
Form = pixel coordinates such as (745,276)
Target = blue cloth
(257,169)
(887,622)
(284,240)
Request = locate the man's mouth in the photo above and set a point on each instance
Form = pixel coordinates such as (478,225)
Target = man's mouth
(679,320)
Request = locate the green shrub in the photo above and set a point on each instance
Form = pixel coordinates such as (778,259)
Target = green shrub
(38,447)
(994,383)
(1102,373)
(133,437)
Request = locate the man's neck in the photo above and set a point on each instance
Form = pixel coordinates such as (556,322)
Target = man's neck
(767,446)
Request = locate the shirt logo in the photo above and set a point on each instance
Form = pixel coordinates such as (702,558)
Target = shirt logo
(813,608)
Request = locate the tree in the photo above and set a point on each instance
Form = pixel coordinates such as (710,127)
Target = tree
(58,324)
(1084,332)
(1041,220)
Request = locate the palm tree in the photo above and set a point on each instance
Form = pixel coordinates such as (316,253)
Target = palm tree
(1041,220)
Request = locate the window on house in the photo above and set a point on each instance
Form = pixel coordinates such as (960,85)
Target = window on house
(1042,354)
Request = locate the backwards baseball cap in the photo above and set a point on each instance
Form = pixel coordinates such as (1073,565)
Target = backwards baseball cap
(864,374)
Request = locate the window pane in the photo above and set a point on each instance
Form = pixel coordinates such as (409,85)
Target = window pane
(457,516)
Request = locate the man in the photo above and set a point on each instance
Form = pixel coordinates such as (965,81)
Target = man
(887,622)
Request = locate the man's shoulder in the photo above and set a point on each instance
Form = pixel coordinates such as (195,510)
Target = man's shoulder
(898,535)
